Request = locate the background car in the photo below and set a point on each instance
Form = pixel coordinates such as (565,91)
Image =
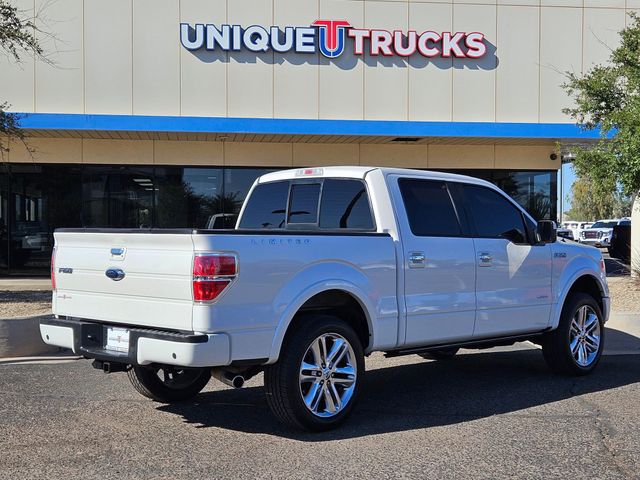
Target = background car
(599,235)
(580,227)
(565,233)
(621,242)
(576,227)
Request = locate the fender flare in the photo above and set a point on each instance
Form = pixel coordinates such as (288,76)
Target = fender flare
(325,285)
(583,272)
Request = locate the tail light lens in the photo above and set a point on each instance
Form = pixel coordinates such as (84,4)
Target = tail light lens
(212,274)
(53,270)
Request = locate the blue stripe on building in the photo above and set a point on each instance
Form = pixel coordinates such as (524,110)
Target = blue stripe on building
(277,126)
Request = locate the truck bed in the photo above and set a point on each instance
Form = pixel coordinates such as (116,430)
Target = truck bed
(156,290)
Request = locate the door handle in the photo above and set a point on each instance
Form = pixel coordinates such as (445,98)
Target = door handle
(485,259)
(416,260)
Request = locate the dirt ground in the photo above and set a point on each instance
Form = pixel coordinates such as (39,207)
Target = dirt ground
(24,304)
(625,294)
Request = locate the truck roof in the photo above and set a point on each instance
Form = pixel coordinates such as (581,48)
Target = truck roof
(361,171)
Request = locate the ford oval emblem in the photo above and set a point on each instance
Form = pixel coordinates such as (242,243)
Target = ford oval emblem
(115,274)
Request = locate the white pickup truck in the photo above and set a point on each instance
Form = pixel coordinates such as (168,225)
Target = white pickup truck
(324,267)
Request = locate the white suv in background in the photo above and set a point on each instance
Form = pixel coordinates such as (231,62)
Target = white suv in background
(580,228)
(576,227)
(599,235)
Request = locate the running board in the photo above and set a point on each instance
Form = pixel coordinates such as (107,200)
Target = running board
(479,344)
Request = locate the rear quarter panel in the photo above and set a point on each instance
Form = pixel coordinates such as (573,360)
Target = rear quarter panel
(278,273)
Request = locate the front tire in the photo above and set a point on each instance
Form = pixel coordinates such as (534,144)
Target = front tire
(168,384)
(575,347)
(319,375)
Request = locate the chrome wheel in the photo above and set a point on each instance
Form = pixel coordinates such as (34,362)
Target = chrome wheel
(328,374)
(585,336)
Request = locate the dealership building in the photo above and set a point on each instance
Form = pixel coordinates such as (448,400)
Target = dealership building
(162,113)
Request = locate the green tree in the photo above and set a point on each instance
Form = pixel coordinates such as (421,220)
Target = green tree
(585,205)
(17,37)
(608,97)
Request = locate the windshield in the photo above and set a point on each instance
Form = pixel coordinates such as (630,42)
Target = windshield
(604,224)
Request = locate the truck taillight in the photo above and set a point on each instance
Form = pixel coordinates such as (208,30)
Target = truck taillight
(53,269)
(212,274)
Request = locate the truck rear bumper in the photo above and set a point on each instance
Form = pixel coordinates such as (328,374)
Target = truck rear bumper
(145,346)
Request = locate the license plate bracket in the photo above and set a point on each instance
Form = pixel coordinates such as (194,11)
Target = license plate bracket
(117,339)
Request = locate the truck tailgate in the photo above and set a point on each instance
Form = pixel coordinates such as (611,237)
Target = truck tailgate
(156,289)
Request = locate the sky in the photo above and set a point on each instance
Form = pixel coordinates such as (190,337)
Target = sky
(568,176)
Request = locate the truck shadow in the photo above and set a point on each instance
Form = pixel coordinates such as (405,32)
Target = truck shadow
(616,267)
(423,394)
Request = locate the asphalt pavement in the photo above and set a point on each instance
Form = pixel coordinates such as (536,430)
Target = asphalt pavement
(483,414)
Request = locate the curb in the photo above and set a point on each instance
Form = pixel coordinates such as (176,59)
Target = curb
(20,337)
(66,356)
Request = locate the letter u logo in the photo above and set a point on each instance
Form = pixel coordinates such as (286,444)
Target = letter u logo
(332,36)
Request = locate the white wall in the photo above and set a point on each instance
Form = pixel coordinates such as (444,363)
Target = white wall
(125,57)
(635,238)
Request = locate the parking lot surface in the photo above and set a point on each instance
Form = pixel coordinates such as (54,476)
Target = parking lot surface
(487,414)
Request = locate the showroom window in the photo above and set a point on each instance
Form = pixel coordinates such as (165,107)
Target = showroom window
(4,217)
(188,197)
(117,196)
(35,199)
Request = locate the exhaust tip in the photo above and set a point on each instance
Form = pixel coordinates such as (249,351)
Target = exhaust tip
(238,381)
(232,379)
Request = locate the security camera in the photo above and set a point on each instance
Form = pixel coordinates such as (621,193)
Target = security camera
(553,156)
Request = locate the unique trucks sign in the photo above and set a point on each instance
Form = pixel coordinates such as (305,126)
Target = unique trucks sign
(329,37)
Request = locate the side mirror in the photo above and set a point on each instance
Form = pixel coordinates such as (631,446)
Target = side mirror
(546,231)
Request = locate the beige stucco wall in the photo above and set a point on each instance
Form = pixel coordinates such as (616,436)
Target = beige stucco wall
(125,57)
(169,152)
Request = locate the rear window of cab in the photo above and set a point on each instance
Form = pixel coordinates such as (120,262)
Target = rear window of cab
(327,204)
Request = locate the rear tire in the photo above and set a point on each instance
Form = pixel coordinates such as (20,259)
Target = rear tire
(575,347)
(176,385)
(319,375)
(442,354)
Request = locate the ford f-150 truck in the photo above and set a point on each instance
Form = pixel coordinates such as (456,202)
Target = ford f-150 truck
(324,267)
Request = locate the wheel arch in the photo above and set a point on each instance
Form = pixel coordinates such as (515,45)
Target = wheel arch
(586,282)
(336,297)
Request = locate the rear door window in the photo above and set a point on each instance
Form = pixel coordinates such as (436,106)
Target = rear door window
(345,204)
(429,208)
(266,207)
